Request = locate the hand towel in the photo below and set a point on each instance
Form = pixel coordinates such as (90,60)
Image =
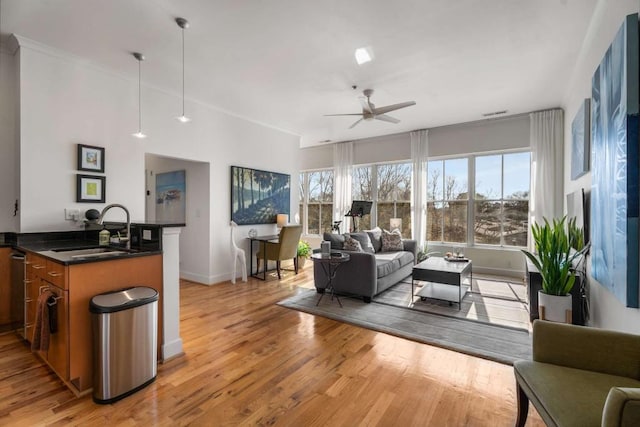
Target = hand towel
(41,331)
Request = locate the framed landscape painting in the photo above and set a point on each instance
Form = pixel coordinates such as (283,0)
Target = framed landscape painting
(615,163)
(257,196)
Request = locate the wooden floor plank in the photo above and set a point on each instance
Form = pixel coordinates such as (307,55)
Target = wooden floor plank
(250,362)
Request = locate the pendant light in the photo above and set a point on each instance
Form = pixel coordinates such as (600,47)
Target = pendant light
(184,24)
(139,134)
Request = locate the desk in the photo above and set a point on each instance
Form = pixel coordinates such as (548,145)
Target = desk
(262,240)
(330,264)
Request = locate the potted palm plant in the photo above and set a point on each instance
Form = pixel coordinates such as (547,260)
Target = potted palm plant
(554,260)
(304,252)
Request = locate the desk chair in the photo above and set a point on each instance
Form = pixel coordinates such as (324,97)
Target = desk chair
(285,248)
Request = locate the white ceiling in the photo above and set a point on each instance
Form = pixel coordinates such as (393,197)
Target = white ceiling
(286,63)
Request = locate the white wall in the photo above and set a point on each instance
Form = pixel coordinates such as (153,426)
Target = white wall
(65,101)
(606,311)
(8,139)
(506,133)
(194,250)
(476,137)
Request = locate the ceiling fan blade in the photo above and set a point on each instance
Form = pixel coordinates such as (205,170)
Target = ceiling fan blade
(388,108)
(353,125)
(351,114)
(386,118)
(365,104)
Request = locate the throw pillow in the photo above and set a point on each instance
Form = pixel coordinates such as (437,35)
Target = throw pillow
(351,244)
(391,241)
(337,240)
(376,238)
(364,240)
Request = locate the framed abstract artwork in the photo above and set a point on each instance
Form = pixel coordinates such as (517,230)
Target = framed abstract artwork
(171,195)
(257,196)
(580,140)
(90,188)
(615,163)
(90,158)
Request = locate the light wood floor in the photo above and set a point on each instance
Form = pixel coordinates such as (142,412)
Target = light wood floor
(251,362)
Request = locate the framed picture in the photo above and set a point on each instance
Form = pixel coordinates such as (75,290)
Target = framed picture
(615,158)
(90,158)
(258,196)
(580,137)
(90,188)
(171,192)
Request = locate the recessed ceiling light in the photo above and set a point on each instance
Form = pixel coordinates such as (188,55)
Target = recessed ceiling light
(363,55)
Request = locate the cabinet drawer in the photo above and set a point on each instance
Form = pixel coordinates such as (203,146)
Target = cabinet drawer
(36,266)
(55,274)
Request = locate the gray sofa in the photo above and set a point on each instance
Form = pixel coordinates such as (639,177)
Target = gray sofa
(367,274)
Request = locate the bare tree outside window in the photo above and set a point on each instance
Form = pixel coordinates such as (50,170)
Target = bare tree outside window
(502,199)
(447,200)
(320,202)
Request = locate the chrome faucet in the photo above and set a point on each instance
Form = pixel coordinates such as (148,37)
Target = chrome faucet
(116,205)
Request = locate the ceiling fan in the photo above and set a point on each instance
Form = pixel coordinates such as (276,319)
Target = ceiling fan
(370,112)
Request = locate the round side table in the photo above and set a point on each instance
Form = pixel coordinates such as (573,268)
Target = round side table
(330,264)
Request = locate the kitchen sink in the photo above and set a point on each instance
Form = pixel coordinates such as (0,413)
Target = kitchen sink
(90,252)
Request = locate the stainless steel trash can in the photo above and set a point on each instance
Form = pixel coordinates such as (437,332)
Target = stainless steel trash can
(125,343)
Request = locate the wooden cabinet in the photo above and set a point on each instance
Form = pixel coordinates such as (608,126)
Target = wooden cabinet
(70,352)
(43,274)
(5,288)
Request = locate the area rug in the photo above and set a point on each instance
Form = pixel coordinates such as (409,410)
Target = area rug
(497,343)
(499,302)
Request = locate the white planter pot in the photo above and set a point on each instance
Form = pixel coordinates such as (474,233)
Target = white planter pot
(555,308)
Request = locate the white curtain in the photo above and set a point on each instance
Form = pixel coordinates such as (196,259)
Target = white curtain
(342,175)
(547,161)
(419,155)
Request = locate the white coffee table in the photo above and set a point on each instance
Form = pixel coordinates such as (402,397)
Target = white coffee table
(444,280)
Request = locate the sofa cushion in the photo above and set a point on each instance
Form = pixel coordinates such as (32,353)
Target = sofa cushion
(376,238)
(388,262)
(391,241)
(364,240)
(351,244)
(588,391)
(337,240)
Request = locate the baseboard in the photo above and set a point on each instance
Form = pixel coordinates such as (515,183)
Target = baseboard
(516,274)
(172,349)
(195,277)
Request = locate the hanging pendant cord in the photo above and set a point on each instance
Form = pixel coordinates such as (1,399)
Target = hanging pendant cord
(183,73)
(139,99)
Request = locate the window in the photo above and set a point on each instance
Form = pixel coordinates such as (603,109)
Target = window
(502,199)
(388,186)
(447,200)
(394,196)
(318,201)
(362,189)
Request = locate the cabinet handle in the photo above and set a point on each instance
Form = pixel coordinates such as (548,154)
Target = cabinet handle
(26,300)
(54,273)
(27,281)
(42,288)
(28,325)
(38,266)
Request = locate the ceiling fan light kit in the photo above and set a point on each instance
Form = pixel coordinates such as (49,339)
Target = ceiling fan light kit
(370,112)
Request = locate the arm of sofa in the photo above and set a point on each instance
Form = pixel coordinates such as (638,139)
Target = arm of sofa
(411,246)
(356,276)
(622,408)
(591,349)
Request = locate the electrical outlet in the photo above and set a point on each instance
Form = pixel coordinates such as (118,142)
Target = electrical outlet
(71,214)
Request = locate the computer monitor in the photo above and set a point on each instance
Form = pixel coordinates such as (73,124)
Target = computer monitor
(360,208)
